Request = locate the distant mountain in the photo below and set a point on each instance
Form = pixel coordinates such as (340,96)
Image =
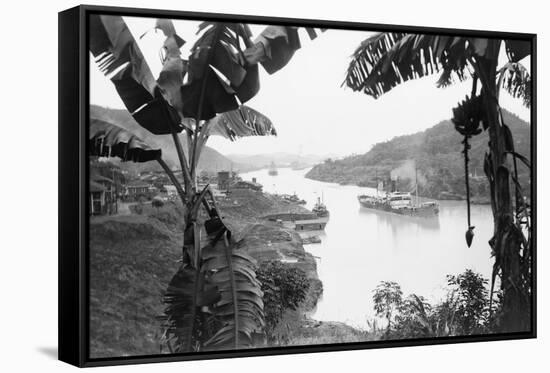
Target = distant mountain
(436,155)
(280,159)
(211,160)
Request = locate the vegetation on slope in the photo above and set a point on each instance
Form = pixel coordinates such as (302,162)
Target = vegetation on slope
(436,153)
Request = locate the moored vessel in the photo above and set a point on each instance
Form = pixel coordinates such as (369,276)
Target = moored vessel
(273,170)
(398,202)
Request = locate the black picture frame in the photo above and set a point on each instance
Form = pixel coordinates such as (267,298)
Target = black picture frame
(73,185)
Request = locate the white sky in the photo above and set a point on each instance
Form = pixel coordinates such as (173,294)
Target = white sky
(312,113)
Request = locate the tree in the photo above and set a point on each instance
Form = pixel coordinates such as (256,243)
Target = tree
(386,60)
(471,302)
(284,287)
(387,300)
(214,300)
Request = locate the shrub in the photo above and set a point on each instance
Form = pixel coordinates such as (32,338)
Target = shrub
(285,288)
(157,202)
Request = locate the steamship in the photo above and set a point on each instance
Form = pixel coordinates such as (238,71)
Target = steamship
(397,202)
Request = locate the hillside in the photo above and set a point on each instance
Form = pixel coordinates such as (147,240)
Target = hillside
(133,257)
(436,152)
(211,160)
(280,159)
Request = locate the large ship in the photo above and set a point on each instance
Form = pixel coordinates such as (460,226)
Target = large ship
(398,202)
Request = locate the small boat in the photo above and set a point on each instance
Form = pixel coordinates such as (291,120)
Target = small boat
(273,170)
(318,222)
(293,198)
(320,209)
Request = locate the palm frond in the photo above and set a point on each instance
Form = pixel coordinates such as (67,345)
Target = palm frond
(109,140)
(386,60)
(515,79)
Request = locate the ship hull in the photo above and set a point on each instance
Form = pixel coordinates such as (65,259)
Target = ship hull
(317,224)
(420,211)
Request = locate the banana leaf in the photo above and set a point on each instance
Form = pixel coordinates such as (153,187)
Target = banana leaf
(242,122)
(219,77)
(275,46)
(119,58)
(240,307)
(174,68)
(517,49)
(109,140)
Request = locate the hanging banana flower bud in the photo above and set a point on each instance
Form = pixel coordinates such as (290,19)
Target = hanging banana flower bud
(467,118)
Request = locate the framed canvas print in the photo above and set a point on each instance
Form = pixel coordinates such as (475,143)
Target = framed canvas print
(234,186)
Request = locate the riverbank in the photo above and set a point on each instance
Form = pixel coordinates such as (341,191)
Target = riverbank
(134,256)
(432,185)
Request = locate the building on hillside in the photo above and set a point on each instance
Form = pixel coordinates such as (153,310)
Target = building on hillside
(223,180)
(136,190)
(250,185)
(104,198)
(171,191)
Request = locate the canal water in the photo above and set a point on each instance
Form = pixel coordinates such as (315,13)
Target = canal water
(361,247)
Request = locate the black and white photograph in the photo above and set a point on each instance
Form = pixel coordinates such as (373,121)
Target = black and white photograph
(266,186)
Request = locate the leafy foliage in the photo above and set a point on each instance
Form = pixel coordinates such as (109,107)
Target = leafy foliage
(217,306)
(284,287)
(119,57)
(214,301)
(240,309)
(387,298)
(386,60)
(241,122)
(437,152)
(516,81)
(414,318)
(471,301)
(109,140)
(465,310)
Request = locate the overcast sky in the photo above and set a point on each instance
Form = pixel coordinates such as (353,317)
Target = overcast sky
(313,114)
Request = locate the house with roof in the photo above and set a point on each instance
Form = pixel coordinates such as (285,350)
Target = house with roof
(103,195)
(138,189)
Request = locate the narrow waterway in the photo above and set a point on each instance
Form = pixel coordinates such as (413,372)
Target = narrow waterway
(361,247)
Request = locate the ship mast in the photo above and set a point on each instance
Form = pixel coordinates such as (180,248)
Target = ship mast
(376,180)
(416,182)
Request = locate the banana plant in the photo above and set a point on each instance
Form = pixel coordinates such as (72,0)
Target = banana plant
(386,60)
(214,300)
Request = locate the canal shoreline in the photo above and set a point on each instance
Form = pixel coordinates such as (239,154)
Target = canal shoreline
(360,248)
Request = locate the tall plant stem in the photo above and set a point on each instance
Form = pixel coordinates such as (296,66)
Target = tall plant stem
(228,257)
(183,161)
(467,177)
(173,179)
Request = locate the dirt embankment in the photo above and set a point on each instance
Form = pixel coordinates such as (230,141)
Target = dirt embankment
(133,257)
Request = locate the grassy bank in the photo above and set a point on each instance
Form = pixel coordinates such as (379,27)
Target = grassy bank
(133,257)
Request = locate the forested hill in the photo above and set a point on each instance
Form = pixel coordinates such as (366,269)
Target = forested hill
(211,160)
(437,154)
